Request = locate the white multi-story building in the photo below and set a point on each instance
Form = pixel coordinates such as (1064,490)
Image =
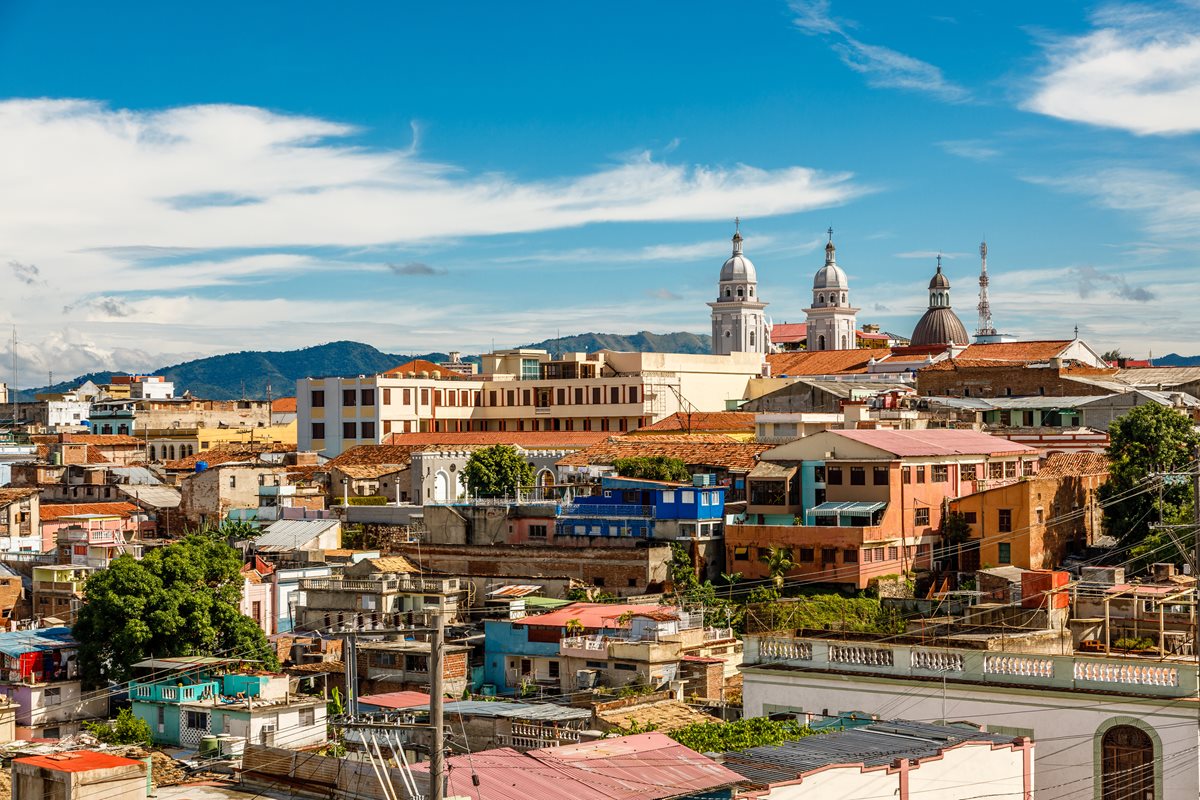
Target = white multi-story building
(1106,727)
(831,319)
(518,390)
(738,322)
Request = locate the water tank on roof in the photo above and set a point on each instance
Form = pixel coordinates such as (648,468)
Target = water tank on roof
(201,466)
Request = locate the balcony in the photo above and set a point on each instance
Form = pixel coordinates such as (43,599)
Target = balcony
(64,587)
(175,694)
(1133,676)
(399,585)
(269,490)
(583,647)
(615,510)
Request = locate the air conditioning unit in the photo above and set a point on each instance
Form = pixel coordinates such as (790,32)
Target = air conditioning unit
(267,735)
(586,678)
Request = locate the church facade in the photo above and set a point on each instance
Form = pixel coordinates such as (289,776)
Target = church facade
(738,322)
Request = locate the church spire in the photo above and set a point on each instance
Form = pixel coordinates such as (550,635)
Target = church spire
(830,249)
(737,236)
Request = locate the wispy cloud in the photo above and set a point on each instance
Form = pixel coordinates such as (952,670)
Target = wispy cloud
(1091,280)
(928,254)
(1166,203)
(663,294)
(1138,70)
(27,274)
(415,268)
(974,149)
(102,306)
(881,66)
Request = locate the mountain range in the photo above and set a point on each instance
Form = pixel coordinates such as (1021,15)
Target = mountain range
(248,373)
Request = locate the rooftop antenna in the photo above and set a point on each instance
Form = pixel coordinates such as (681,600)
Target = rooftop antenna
(14,374)
(985,307)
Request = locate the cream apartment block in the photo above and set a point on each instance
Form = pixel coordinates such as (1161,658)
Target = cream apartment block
(519,390)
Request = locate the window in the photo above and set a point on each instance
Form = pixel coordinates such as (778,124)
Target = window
(858,476)
(614,394)
(1004,550)
(387,397)
(407,397)
(1026,468)
(596,395)
(1010,469)
(920,516)
(630,667)
(537,531)
(906,474)
(1126,764)
(940,474)
(52,697)
(368,430)
(921,474)
(995,470)
(349,397)
(633,392)
(598,581)
(849,556)
(308,717)
(828,555)
(317,399)
(347,430)
(819,474)
(1005,520)
(196,720)
(743,553)
(318,430)
(687,497)
(368,397)
(971,517)
(833,476)
(806,555)
(893,553)
(880,476)
(552,669)
(232,482)
(162,715)
(966,472)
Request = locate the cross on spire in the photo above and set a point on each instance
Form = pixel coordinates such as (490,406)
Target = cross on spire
(830,232)
(939,262)
(737,224)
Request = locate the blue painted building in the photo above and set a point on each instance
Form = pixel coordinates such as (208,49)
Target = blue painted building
(646,509)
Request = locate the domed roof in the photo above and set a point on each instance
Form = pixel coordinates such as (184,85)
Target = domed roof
(940,326)
(830,276)
(738,267)
(939,279)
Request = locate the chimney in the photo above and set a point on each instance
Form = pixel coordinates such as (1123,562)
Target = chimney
(677,689)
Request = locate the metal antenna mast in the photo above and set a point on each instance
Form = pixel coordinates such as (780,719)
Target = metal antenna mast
(985,308)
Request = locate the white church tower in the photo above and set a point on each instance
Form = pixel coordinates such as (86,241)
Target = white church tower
(738,324)
(831,320)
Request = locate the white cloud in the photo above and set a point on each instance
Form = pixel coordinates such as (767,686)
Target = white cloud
(1167,204)
(927,254)
(882,66)
(974,149)
(1137,70)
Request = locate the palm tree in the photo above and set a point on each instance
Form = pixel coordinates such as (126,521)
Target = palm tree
(731,578)
(574,627)
(779,563)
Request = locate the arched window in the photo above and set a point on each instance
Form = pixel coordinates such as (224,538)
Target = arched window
(752,338)
(741,293)
(727,292)
(1127,764)
(752,291)
(820,299)
(152,452)
(821,342)
(844,342)
(843,298)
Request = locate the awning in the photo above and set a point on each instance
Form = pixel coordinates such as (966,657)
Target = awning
(832,508)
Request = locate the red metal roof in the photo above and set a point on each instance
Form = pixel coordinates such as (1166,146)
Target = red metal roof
(50,512)
(645,766)
(79,761)
(935,442)
(396,700)
(590,615)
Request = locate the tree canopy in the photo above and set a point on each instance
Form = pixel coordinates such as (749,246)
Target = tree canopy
(1150,438)
(497,471)
(653,468)
(179,600)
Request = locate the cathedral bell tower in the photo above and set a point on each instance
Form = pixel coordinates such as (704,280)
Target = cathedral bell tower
(831,320)
(738,324)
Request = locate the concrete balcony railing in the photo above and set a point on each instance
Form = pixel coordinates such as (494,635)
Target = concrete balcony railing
(1135,676)
(59,586)
(617,510)
(409,584)
(583,646)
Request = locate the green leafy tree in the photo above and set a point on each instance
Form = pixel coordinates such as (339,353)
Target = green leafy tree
(730,579)
(1150,438)
(126,729)
(723,737)
(497,471)
(653,468)
(179,600)
(955,532)
(779,563)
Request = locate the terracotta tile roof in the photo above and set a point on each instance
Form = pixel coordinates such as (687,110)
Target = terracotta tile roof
(1016,351)
(786,332)
(228,453)
(421,365)
(13,494)
(935,442)
(283,405)
(704,421)
(392,564)
(374,455)
(53,511)
(524,439)
(702,450)
(1060,465)
(822,362)
(104,439)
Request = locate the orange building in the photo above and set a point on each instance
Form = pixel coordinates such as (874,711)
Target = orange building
(852,505)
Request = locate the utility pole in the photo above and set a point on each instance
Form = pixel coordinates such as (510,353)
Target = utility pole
(437,789)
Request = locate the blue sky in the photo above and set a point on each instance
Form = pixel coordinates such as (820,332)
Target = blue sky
(184,180)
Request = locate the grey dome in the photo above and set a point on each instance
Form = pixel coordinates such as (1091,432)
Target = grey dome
(830,276)
(940,326)
(738,267)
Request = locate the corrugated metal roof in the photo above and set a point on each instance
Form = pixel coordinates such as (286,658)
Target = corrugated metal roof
(934,442)
(548,712)
(515,590)
(292,534)
(157,496)
(136,476)
(15,643)
(847,508)
(877,744)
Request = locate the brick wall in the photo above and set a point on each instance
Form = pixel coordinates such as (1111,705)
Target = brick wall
(1019,380)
